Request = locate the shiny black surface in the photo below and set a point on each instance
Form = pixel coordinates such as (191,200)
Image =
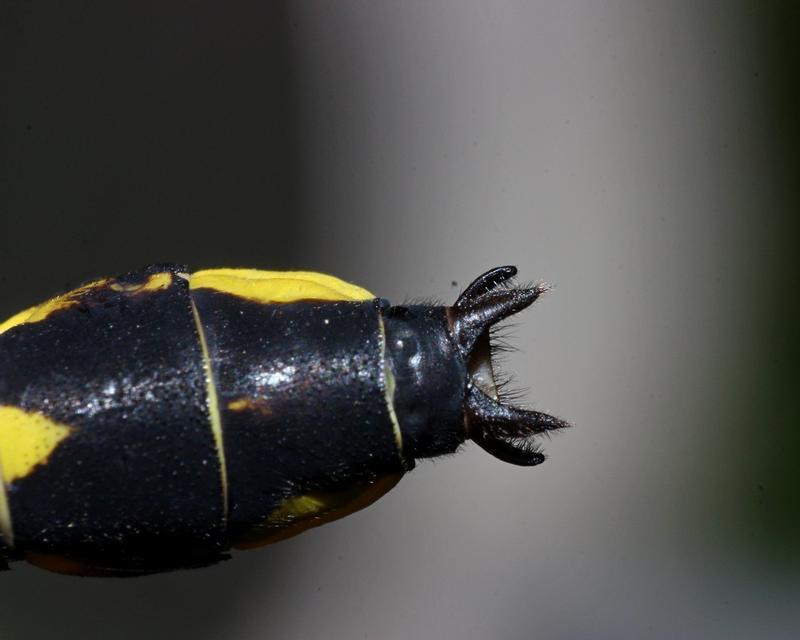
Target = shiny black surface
(137,485)
(431,378)
(300,389)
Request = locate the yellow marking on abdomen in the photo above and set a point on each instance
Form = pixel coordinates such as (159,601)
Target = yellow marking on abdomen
(213,408)
(250,404)
(16,319)
(45,309)
(278,286)
(27,438)
(155,282)
(299,513)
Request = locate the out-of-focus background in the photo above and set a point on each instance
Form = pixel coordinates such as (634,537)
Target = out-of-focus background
(642,156)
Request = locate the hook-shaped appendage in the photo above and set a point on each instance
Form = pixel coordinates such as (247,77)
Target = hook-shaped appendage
(504,431)
(474,318)
(485,282)
(507,432)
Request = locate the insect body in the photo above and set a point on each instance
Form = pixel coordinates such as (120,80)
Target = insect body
(155,420)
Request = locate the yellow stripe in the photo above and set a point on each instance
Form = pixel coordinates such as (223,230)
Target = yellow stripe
(278,286)
(6,529)
(155,282)
(16,319)
(45,309)
(213,409)
(389,391)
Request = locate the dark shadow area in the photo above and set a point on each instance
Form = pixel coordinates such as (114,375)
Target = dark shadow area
(777,422)
(202,603)
(143,132)
(133,133)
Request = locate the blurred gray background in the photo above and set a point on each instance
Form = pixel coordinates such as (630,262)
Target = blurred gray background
(639,155)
